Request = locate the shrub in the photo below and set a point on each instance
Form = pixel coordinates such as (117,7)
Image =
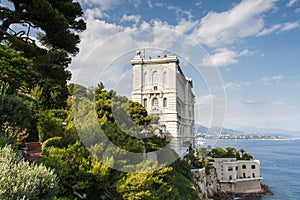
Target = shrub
(55,141)
(19,180)
(49,125)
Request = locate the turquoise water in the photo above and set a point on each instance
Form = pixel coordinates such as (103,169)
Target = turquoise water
(280,164)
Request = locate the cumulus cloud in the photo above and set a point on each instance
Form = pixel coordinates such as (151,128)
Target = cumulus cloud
(291,3)
(103,43)
(223,57)
(243,20)
(131,18)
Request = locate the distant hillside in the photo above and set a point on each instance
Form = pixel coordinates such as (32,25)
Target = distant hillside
(271,132)
(224,131)
(250,131)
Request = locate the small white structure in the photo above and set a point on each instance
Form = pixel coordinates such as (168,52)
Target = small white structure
(238,176)
(161,87)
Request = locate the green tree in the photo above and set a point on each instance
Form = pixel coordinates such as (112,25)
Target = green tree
(15,116)
(138,113)
(56,21)
(146,185)
(48,37)
(20,180)
(217,152)
(15,70)
(77,170)
(231,152)
(247,156)
(50,124)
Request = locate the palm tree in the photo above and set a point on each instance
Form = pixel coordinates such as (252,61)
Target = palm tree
(242,150)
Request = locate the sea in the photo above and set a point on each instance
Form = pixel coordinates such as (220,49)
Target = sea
(280,165)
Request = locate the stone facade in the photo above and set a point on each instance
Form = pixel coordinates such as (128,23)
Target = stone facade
(237,176)
(161,87)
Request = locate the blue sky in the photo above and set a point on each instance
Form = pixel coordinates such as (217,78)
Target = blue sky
(253,44)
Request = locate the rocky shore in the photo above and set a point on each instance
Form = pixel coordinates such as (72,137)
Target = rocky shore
(221,195)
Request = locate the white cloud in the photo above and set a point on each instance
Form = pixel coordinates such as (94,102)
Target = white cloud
(205,100)
(96,53)
(271,80)
(129,18)
(277,78)
(291,3)
(223,57)
(135,3)
(159,4)
(180,13)
(266,31)
(243,20)
(232,85)
(279,28)
(150,4)
(199,3)
(104,4)
(236,85)
(96,13)
(289,26)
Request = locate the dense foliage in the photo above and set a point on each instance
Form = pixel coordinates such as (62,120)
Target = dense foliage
(19,180)
(39,37)
(81,172)
(230,152)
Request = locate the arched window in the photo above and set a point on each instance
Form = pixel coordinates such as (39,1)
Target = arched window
(155,102)
(165,102)
(145,78)
(165,78)
(145,102)
(155,77)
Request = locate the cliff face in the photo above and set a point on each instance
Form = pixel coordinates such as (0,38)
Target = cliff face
(199,179)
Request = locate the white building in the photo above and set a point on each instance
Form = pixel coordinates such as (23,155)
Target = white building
(239,176)
(161,87)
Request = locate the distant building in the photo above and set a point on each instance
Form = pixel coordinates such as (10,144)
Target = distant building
(237,176)
(161,87)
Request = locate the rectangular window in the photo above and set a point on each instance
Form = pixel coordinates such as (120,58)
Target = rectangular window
(252,166)
(230,168)
(244,167)
(236,168)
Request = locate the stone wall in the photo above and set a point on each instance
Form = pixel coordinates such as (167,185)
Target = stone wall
(249,186)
